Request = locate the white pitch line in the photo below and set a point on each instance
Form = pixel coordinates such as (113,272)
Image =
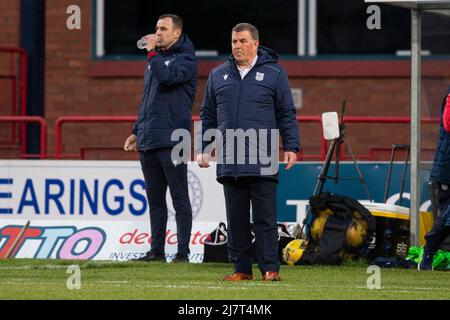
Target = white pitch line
(37,267)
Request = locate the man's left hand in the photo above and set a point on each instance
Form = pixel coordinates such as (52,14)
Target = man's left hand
(290,158)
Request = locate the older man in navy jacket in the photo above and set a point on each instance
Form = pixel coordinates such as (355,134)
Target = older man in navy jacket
(250,94)
(170,84)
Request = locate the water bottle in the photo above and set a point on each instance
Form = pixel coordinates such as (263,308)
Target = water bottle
(142,43)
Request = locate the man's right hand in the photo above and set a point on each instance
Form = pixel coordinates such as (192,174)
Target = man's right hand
(203,160)
(130,143)
(152,41)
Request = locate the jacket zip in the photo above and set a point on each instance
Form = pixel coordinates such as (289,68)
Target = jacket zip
(146,95)
(237,121)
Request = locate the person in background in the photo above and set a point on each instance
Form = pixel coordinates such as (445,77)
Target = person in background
(440,177)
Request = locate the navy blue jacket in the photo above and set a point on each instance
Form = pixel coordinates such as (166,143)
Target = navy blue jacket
(441,163)
(170,83)
(262,100)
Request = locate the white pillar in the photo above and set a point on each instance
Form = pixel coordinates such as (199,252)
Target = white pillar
(416,27)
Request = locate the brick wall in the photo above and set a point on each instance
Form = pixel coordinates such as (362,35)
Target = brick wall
(72,89)
(9,23)
(377,97)
(9,37)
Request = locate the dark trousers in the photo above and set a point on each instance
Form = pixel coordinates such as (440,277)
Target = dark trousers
(441,227)
(160,173)
(261,193)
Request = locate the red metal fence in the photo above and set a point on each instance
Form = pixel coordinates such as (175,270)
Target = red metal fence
(131,119)
(301,119)
(30,119)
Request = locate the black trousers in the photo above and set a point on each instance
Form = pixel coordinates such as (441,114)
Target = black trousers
(261,194)
(441,227)
(160,173)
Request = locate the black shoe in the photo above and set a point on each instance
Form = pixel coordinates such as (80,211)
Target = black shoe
(150,256)
(180,258)
(427,261)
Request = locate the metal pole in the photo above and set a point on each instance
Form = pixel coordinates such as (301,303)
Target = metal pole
(416,27)
(301,29)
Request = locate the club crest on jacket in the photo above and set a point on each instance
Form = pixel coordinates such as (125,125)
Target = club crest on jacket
(259,76)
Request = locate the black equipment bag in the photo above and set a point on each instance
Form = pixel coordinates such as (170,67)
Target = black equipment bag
(216,250)
(216,245)
(341,216)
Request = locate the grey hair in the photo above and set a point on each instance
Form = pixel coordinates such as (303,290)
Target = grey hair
(244,26)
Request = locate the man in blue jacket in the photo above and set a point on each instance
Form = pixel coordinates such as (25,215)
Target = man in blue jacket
(247,102)
(170,84)
(440,175)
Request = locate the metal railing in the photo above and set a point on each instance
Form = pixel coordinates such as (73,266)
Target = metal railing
(31,119)
(84,119)
(301,119)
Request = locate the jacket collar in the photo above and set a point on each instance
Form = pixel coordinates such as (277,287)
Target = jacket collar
(183,44)
(265,55)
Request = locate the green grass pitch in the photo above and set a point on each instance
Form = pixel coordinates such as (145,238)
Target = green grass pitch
(47,279)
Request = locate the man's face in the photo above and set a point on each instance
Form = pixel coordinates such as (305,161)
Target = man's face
(166,33)
(244,47)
